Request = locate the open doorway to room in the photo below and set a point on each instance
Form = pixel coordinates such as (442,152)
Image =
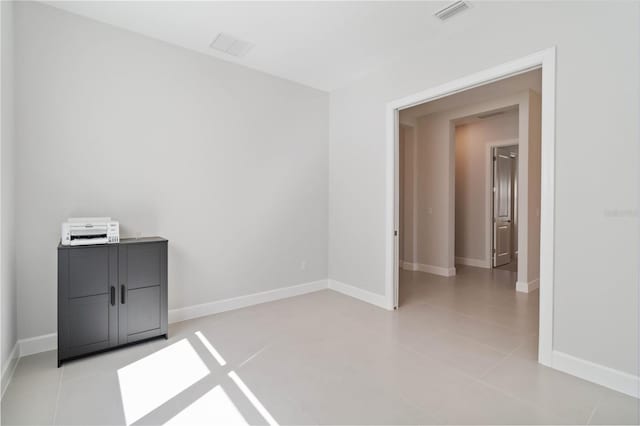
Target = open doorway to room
(486,189)
(469,209)
(504,202)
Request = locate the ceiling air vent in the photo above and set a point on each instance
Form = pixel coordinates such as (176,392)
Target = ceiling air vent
(231,45)
(453,9)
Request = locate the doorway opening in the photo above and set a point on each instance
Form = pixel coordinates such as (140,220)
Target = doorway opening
(523,249)
(504,191)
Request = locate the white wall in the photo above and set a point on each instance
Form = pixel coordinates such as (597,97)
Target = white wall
(7,199)
(472,181)
(596,292)
(228,163)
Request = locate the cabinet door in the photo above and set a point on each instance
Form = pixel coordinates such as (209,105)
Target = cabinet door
(87,305)
(142,311)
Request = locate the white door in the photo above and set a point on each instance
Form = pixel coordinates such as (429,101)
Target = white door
(502,206)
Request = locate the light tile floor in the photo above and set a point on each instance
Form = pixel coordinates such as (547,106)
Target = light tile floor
(459,350)
(511,266)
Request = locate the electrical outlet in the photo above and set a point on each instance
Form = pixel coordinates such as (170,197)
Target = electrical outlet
(303,265)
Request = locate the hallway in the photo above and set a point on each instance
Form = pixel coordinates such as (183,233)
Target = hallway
(484,297)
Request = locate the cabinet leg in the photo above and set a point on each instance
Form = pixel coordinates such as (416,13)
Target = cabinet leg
(166,336)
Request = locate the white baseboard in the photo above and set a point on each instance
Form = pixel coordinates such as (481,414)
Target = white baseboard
(358,293)
(478,263)
(430,269)
(587,370)
(196,311)
(527,287)
(9,368)
(596,373)
(34,345)
(49,342)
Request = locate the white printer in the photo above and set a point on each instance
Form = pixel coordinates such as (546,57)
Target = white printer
(79,231)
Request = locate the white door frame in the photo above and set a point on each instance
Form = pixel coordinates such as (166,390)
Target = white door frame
(545,59)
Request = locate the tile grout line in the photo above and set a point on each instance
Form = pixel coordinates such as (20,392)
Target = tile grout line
(409,348)
(595,408)
(458,370)
(462,373)
(505,392)
(55,411)
(474,317)
(517,398)
(479,341)
(482,321)
(524,400)
(500,362)
(483,343)
(483,376)
(446,330)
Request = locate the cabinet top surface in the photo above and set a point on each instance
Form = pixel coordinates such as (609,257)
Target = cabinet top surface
(141,240)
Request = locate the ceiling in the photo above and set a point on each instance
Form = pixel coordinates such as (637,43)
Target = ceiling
(499,89)
(324,45)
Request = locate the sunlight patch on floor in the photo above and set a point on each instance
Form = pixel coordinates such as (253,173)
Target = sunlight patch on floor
(213,408)
(151,381)
(253,399)
(210,348)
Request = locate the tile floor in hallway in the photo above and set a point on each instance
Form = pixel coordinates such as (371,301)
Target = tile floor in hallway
(460,350)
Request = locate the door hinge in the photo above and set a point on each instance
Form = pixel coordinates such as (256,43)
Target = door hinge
(395,233)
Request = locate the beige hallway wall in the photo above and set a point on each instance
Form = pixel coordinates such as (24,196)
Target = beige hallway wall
(408,160)
(534,184)
(473,178)
(433,239)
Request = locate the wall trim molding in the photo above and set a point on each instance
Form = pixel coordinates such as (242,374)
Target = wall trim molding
(9,368)
(49,342)
(218,306)
(597,373)
(430,269)
(587,370)
(527,287)
(378,300)
(34,345)
(478,263)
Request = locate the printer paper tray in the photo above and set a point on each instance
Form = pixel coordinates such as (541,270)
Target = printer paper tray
(88,241)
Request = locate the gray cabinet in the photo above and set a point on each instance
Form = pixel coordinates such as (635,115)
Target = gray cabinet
(111,295)
(143,295)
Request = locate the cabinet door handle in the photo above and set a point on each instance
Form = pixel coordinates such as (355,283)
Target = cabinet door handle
(122,294)
(113,295)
